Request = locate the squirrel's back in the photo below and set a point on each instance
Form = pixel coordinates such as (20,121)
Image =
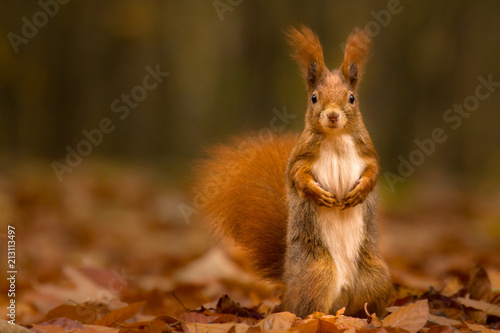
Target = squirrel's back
(244,197)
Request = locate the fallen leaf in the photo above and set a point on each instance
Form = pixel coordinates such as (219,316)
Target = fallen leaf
(97,329)
(229,318)
(254,329)
(83,314)
(480,328)
(344,322)
(49,329)
(120,315)
(340,311)
(197,318)
(84,289)
(310,326)
(480,285)
(5,327)
(155,326)
(326,326)
(136,325)
(377,330)
(488,308)
(443,320)
(278,321)
(452,285)
(479,289)
(167,319)
(214,328)
(411,318)
(441,329)
(392,309)
(227,305)
(66,323)
(211,267)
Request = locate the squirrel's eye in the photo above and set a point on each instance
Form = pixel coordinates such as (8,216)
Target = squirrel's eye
(351,98)
(314,98)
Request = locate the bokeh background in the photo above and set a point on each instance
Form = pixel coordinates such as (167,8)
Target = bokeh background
(229,67)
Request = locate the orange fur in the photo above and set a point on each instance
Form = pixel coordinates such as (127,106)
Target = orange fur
(245,198)
(356,51)
(270,195)
(306,50)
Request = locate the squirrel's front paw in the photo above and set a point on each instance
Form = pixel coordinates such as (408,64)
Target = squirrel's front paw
(321,197)
(357,195)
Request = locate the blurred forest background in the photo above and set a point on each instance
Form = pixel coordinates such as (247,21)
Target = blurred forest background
(229,68)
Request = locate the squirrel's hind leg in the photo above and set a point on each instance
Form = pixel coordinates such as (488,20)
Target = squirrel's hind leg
(309,281)
(309,268)
(373,286)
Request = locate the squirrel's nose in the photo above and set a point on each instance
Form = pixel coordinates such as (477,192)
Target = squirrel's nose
(333,116)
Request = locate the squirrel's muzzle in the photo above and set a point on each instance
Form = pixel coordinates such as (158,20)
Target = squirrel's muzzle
(332,117)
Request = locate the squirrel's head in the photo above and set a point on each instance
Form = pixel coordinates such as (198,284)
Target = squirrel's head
(333,105)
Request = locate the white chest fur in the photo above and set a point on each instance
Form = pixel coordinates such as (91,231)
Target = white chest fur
(337,169)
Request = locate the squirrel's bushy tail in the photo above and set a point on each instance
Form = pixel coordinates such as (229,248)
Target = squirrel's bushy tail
(242,196)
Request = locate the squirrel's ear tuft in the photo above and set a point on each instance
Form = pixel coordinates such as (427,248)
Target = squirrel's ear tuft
(355,55)
(308,53)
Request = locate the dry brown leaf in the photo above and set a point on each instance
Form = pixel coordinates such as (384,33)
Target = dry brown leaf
(326,326)
(344,322)
(480,328)
(120,315)
(310,326)
(480,285)
(228,306)
(452,285)
(340,311)
(315,315)
(136,325)
(81,313)
(61,329)
(96,329)
(377,330)
(254,329)
(229,318)
(84,288)
(49,329)
(214,328)
(411,318)
(66,323)
(155,326)
(131,330)
(443,320)
(392,309)
(5,327)
(198,318)
(213,266)
(60,325)
(317,322)
(488,308)
(441,329)
(278,321)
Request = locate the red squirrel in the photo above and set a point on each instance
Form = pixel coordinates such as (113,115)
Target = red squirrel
(303,208)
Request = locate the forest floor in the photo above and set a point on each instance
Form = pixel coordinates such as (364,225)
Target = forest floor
(107,250)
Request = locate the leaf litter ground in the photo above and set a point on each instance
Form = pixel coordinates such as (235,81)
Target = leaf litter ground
(107,251)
